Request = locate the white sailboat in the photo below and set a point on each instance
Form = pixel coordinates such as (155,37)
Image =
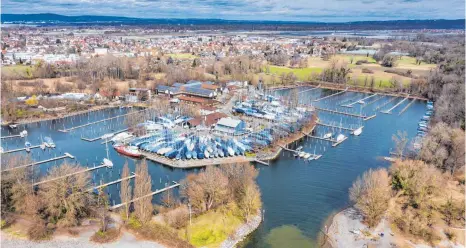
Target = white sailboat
(106,161)
(328,135)
(358,131)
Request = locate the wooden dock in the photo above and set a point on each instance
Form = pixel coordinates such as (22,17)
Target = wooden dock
(95,122)
(20,149)
(100,137)
(350,105)
(148,195)
(11,136)
(335,94)
(370,117)
(407,106)
(68,175)
(332,126)
(396,105)
(320,138)
(67,155)
(341,113)
(110,183)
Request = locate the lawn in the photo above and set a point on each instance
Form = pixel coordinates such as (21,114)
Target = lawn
(301,73)
(355,58)
(212,228)
(407,62)
(22,70)
(181,55)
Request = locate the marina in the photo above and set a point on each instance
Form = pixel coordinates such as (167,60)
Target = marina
(67,155)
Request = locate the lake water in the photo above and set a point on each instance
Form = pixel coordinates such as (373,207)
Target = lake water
(298,195)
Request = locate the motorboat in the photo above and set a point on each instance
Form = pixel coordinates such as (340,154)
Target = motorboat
(49,142)
(43,146)
(107,162)
(23,133)
(130,151)
(107,136)
(340,137)
(307,155)
(28,145)
(328,136)
(358,131)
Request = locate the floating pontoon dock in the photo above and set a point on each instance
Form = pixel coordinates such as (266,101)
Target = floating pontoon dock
(113,182)
(95,122)
(333,126)
(67,155)
(100,137)
(11,136)
(350,105)
(396,105)
(342,113)
(385,103)
(407,106)
(325,97)
(20,149)
(148,195)
(71,174)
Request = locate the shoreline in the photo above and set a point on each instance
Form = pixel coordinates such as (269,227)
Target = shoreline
(51,118)
(243,231)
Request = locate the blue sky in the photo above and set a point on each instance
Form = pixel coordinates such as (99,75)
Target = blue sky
(286,10)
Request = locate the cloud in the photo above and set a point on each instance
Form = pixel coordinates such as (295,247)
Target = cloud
(295,10)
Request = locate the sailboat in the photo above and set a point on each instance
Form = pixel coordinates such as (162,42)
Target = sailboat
(106,161)
(23,133)
(328,135)
(358,131)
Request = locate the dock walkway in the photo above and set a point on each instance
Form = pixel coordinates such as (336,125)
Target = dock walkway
(67,155)
(71,174)
(95,122)
(20,149)
(110,183)
(350,105)
(396,105)
(335,94)
(407,106)
(333,126)
(11,136)
(148,195)
(341,113)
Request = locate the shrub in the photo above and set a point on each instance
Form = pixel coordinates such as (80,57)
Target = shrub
(105,237)
(38,231)
(158,233)
(360,62)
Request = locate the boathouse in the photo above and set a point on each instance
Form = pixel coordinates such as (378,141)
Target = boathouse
(230,126)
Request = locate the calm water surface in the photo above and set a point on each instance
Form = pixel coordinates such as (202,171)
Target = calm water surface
(298,196)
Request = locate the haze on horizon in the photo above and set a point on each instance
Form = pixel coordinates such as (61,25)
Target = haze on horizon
(277,10)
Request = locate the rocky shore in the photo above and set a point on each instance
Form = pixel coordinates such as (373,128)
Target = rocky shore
(243,231)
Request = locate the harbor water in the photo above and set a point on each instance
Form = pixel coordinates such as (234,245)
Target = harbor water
(297,195)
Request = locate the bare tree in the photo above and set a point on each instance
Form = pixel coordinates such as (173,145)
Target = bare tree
(66,199)
(371,194)
(142,187)
(401,140)
(126,193)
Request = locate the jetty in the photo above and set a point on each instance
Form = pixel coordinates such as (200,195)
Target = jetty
(318,87)
(341,113)
(350,105)
(67,155)
(333,126)
(396,105)
(65,130)
(71,174)
(335,94)
(261,162)
(385,103)
(148,195)
(100,137)
(11,136)
(110,183)
(373,101)
(20,149)
(407,106)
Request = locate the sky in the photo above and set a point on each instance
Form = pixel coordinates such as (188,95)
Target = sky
(278,10)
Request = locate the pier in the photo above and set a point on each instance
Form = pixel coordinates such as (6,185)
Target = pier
(333,126)
(407,106)
(113,182)
(67,155)
(261,162)
(385,103)
(20,149)
(335,94)
(95,122)
(373,101)
(68,175)
(11,136)
(341,113)
(396,105)
(100,137)
(318,87)
(350,105)
(148,195)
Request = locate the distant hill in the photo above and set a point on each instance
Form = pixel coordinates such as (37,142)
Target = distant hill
(47,19)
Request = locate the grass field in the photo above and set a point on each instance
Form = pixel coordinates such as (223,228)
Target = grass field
(181,55)
(212,228)
(301,73)
(21,70)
